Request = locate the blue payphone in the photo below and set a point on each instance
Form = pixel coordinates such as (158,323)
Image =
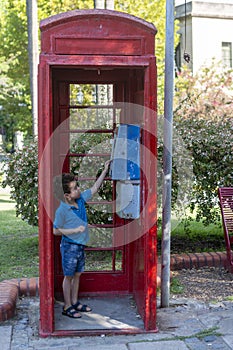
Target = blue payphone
(125,169)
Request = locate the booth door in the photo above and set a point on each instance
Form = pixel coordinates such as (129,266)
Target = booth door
(84,120)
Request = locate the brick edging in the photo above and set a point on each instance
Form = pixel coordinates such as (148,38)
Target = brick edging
(198,260)
(10,290)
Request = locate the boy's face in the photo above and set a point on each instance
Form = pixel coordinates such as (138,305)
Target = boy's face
(74,191)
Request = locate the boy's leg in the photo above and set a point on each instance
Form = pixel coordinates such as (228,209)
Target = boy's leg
(75,287)
(74,294)
(69,265)
(67,290)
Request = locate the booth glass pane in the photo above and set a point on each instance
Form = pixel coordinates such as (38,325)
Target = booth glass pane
(92,143)
(88,167)
(91,94)
(118,112)
(91,118)
(100,237)
(99,213)
(104,260)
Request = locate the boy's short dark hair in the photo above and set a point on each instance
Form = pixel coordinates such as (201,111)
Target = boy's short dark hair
(61,184)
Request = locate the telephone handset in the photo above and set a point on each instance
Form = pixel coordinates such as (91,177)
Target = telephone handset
(125,169)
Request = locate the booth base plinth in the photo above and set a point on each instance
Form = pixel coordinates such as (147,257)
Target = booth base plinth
(108,313)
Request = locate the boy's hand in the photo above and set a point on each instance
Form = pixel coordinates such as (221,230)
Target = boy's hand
(106,165)
(80,229)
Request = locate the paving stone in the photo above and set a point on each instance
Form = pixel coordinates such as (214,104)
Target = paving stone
(228,340)
(5,337)
(162,345)
(102,347)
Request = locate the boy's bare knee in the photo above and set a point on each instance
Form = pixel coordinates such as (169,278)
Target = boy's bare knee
(68,278)
(77,274)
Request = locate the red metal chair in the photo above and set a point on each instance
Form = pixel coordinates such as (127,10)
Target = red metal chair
(226,205)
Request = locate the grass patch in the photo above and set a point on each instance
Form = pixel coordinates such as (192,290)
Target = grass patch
(10,225)
(19,243)
(205,238)
(176,286)
(19,258)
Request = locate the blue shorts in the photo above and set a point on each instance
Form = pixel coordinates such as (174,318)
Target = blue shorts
(73,258)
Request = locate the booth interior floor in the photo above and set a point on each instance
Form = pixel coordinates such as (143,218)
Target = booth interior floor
(107,313)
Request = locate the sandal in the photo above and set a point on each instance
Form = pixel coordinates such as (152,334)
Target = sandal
(82,308)
(70,312)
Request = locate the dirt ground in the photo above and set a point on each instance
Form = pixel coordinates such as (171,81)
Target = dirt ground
(206,284)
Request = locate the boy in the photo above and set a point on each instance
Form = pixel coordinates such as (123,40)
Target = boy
(71,222)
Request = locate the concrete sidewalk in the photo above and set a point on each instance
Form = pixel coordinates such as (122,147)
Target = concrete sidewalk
(186,324)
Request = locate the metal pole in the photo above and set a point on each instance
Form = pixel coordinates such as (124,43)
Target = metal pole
(167,154)
(33,58)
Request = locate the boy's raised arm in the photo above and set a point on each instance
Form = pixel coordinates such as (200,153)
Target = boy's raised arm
(100,179)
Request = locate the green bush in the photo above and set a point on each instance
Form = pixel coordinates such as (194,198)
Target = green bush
(22,176)
(203,118)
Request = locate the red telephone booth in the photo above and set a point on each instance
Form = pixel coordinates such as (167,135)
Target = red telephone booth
(97,71)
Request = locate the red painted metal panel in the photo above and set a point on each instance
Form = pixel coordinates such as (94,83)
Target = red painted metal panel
(122,54)
(225,195)
(145,250)
(96,24)
(45,236)
(151,171)
(98,63)
(105,46)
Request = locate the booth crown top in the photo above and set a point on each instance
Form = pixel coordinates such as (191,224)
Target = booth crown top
(77,15)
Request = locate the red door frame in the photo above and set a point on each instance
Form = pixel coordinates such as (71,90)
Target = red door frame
(92,283)
(136,37)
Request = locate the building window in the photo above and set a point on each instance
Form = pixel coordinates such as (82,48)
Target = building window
(178,58)
(227,55)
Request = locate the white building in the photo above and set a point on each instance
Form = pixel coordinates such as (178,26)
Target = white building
(206,32)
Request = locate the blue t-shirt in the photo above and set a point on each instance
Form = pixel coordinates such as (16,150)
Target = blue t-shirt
(68,216)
